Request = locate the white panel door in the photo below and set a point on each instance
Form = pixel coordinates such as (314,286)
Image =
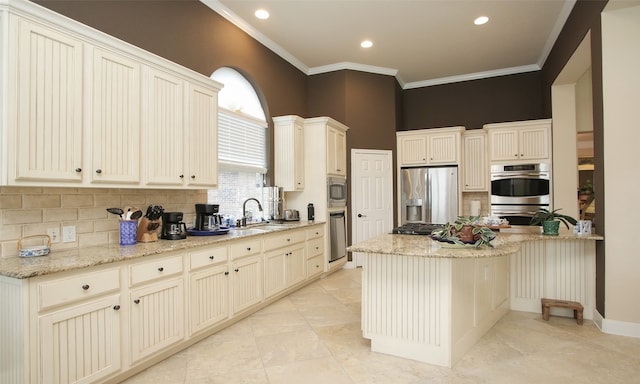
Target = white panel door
(372,195)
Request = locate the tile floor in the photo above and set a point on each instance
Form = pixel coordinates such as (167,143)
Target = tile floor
(313,336)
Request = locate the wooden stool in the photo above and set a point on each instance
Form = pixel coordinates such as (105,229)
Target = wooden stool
(577,308)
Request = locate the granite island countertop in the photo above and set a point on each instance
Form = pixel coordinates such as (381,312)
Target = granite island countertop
(60,261)
(506,242)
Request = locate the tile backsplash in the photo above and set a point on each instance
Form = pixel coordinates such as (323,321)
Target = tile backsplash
(26,211)
(482,197)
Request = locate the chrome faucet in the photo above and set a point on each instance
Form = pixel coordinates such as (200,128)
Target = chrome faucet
(244,207)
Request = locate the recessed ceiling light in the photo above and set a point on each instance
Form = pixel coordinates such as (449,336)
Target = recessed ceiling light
(366,44)
(481,20)
(262,14)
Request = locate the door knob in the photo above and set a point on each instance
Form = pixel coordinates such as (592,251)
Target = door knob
(361,215)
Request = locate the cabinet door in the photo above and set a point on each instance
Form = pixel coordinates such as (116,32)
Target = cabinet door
(81,343)
(202,137)
(412,150)
(289,152)
(115,132)
(295,265)
(157,317)
(336,152)
(163,94)
(209,297)
(474,163)
(48,130)
(246,282)
(504,144)
(443,148)
(534,143)
(274,272)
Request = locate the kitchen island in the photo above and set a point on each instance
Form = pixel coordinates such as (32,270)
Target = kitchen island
(429,302)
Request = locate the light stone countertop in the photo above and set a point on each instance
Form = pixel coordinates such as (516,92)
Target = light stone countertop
(60,261)
(506,242)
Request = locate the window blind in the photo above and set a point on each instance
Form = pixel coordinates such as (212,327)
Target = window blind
(241,142)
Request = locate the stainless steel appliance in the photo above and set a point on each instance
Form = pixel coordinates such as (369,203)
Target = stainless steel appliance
(337,192)
(519,190)
(291,215)
(429,195)
(337,235)
(207,217)
(173,228)
(274,199)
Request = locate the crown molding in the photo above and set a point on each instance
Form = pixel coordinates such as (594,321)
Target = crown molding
(473,76)
(555,32)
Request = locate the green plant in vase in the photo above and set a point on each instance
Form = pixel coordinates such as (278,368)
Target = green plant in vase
(465,231)
(550,221)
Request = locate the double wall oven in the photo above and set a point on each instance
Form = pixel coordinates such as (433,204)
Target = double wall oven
(519,190)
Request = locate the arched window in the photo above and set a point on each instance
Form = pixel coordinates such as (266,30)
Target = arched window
(242,145)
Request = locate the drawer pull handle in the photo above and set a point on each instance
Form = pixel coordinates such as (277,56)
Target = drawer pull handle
(317,247)
(78,170)
(116,307)
(181,176)
(236,270)
(193,176)
(288,239)
(161,269)
(226,273)
(248,248)
(212,257)
(98,171)
(136,301)
(85,287)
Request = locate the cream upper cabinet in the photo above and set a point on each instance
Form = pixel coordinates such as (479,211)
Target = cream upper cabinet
(115,110)
(45,124)
(519,141)
(202,136)
(412,149)
(85,109)
(336,151)
(163,143)
(475,166)
(289,152)
(437,146)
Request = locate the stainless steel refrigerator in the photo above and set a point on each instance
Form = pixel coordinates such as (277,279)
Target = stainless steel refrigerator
(429,195)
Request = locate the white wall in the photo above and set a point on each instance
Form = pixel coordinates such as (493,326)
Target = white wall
(621,102)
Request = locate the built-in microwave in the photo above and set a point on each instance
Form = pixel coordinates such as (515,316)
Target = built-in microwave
(337,191)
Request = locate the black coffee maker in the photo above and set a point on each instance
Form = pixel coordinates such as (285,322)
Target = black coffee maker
(207,217)
(173,228)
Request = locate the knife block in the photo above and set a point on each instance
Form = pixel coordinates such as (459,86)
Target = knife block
(148,230)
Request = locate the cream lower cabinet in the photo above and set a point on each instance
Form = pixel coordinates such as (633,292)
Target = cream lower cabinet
(79,326)
(285,262)
(246,283)
(209,288)
(315,251)
(157,306)
(81,344)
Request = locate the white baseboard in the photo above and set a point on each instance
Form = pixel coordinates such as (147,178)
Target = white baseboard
(615,327)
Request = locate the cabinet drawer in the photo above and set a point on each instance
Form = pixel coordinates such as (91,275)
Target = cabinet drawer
(80,287)
(315,266)
(155,269)
(211,256)
(315,247)
(287,238)
(245,248)
(314,233)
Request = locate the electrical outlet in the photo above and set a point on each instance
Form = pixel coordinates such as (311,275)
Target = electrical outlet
(69,234)
(54,234)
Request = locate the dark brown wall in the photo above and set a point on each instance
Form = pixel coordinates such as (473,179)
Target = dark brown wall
(585,17)
(474,103)
(367,103)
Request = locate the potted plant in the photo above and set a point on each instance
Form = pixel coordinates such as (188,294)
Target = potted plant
(465,231)
(550,221)
(585,191)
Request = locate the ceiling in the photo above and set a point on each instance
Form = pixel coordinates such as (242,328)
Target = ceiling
(421,42)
